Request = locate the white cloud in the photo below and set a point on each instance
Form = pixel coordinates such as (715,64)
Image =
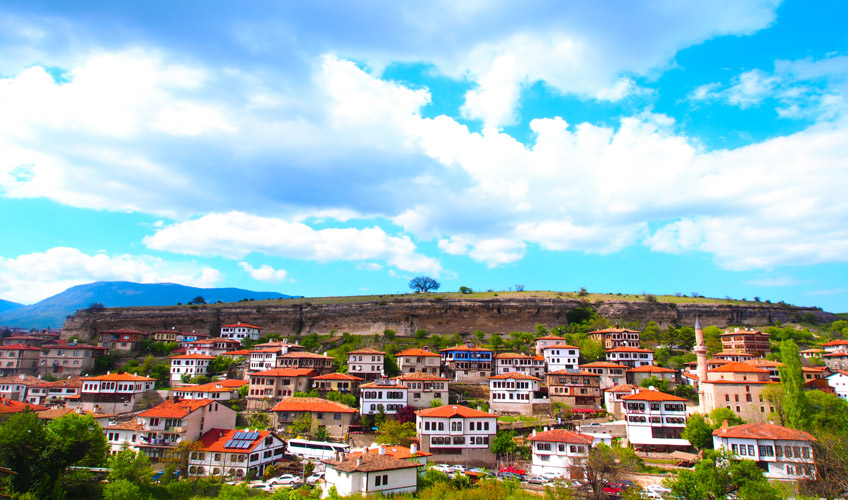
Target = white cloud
(493,252)
(264,272)
(32,277)
(235,235)
(774,281)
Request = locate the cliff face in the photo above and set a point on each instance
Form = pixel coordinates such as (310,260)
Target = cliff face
(436,315)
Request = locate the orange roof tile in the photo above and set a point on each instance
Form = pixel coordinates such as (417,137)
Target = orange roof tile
(550,337)
(650,395)
(835,342)
(514,375)
(367,350)
(736,367)
(179,409)
(582,373)
(562,436)
(240,352)
(466,348)
(241,325)
(651,369)
(615,330)
(120,377)
(763,431)
(560,346)
(400,452)
(422,376)
(19,347)
(214,441)
(375,385)
(453,411)
(512,355)
(226,385)
(763,362)
(602,364)
(623,388)
(629,349)
(305,355)
(415,352)
(12,406)
(312,405)
(339,376)
(193,356)
(287,372)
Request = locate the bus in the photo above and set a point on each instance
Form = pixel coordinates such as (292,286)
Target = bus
(316,449)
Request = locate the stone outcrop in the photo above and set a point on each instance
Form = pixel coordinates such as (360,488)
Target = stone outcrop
(437,315)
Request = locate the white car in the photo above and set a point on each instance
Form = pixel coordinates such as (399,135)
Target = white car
(457,468)
(550,476)
(444,468)
(285,480)
(314,478)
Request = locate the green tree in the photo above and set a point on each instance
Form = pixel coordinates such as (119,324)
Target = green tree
(465,290)
(435,403)
(23,438)
(503,446)
(424,284)
(591,350)
(390,367)
(607,464)
(480,336)
(719,415)
(311,342)
(302,425)
(658,384)
(198,300)
(389,334)
(719,475)
(495,341)
(132,466)
(122,490)
(321,433)
(827,411)
(395,432)
(698,432)
(795,406)
(420,334)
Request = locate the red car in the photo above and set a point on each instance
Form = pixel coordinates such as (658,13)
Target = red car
(513,470)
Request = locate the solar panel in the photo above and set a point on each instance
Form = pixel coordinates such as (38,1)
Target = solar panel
(245,444)
(252,435)
(228,444)
(237,435)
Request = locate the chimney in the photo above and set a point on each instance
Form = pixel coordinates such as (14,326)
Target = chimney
(426,348)
(221,434)
(413,449)
(382,449)
(534,432)
(336,455)
(724,426)
(359,460)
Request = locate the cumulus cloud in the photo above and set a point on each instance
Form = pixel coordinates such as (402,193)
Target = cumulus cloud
(32,277)
(235,235)
(264,272)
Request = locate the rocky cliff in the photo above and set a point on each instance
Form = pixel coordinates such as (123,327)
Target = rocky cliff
(407,314)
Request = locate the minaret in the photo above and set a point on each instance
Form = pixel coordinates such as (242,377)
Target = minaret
(701,353)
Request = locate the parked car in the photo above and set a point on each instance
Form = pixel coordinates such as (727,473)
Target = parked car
(314,478)
(444,468)
(510,475)
(550,475)
(284,480)
(513,470)
(535,479)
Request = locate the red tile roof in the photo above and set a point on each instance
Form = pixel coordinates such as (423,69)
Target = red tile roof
(399,452)
(120,377)
(741,332)
(370,462)
(214,441)
(466,348)
(512,355)
(550,337)
(651,369)
(241,325)
(215,386)
(19,347)
(731,353)
(736,367)
(178,409)
(12,406)
(240,352)
(763,431)
(629,349)
(415,352)
(835,342)
(422,376)
(581,373)
(650,395)
(339,376)
(514,375)
(562,436)
(193,356)
(763,362)
(615,330)
(560,346)
(311,355)
(367,350)
(623,388)
(602,364)
(312,405)
(286,372)
(375,385)
(453,411)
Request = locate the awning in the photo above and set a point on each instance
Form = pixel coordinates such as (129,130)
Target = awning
(682,455)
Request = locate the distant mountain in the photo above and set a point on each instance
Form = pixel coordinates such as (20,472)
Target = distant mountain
(5,305)
(53,310)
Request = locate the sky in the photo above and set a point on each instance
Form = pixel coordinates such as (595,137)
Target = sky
(342,148)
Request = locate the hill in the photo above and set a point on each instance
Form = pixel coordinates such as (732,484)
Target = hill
(52,311)
(6,305)
(439,313)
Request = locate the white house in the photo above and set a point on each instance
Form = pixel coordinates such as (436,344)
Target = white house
(655,420)
(559,450)
(220,390)
(240,331)
(547,341)
(263,359)
(513,393)
(370,473)
(612,374)
(839,382)
(235,453)
(390,394)
(786,453)
(193,364)
(366,363)
(561,357)
(457,434)
(509,362)
(632,357)
(112,393)
(177,420)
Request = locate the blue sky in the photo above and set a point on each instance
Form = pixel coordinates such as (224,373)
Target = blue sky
(343,148)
